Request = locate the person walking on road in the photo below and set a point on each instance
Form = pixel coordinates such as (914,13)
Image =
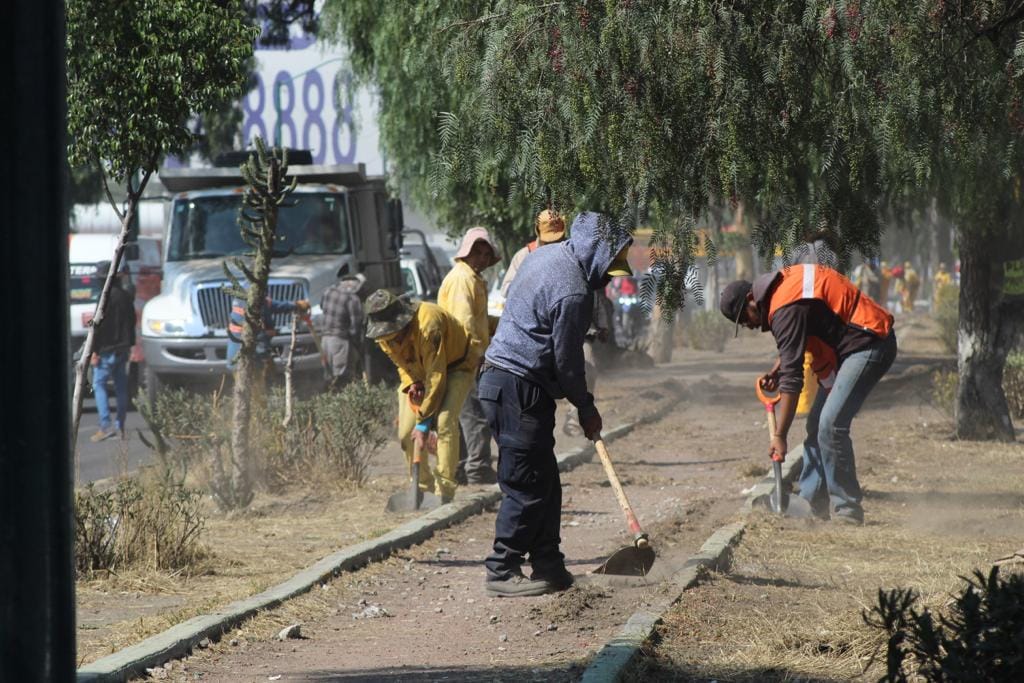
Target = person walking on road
(536,357)
(343,329)
(431,351)
(463,294)
(814,308)
(112,343)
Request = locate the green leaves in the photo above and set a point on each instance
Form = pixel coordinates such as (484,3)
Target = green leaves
(138,71)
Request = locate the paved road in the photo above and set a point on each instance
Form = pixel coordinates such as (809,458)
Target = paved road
(108,458)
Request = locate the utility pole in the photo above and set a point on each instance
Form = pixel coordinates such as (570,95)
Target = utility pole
(37,602)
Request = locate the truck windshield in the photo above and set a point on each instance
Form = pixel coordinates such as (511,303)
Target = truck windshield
(207,227)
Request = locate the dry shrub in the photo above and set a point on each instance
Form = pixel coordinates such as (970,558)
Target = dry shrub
(333,436)
(145,521)
(947,315)
(708,331)
(976,638)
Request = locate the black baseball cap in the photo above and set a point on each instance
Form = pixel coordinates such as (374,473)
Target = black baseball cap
(733,300)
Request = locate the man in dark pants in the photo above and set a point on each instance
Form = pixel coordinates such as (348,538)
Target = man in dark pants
(536,357)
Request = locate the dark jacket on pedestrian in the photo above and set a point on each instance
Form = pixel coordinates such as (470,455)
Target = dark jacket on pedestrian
(549,310)
(343,311)
(116,332)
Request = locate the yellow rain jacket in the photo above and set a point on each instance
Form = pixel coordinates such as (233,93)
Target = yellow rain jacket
(463,294)
(433,344)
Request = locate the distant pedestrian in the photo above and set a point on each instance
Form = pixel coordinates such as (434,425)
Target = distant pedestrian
(463,294)
(112,344)
(343,329)
(535,358)
(817,309)
(911,284)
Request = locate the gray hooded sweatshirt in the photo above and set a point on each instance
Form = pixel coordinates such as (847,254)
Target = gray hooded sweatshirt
(549,308)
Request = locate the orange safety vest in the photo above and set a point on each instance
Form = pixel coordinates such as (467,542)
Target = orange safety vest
(856,309)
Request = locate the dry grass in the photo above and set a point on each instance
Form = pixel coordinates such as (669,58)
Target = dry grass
(250,552)
(791,607)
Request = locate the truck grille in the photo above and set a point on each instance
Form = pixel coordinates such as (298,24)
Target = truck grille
(214,304)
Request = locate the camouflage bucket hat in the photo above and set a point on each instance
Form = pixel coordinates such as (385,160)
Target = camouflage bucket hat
(386,314)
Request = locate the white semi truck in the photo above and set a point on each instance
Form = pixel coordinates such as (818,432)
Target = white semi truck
(338,220)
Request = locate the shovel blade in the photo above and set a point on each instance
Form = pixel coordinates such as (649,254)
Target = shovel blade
(628,561)
(409,501)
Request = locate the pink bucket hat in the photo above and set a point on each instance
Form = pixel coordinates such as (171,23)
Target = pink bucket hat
(472,236)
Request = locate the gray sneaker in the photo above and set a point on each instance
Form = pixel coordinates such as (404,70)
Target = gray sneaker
(517,586)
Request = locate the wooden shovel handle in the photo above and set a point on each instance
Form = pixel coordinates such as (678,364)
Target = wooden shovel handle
(631,520)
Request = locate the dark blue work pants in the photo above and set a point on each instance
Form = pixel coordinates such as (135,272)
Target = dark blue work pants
(521,416)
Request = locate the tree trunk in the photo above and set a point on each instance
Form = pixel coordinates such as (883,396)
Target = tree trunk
(267,189)
(237,492)
(989,322)
(744,251)
(662,333)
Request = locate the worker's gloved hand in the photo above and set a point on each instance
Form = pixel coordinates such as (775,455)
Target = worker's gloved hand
(420,438)
(302,306)
(417,392)
(592,425)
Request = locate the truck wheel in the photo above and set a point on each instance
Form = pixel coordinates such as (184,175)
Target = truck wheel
(154,385)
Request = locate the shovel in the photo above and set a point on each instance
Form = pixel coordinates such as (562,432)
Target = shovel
(780,501)
(635,559)
(413,499)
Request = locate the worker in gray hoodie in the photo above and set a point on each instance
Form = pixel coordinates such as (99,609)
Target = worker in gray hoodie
(535,358)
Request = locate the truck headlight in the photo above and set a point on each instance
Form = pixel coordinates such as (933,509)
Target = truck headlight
(167,328)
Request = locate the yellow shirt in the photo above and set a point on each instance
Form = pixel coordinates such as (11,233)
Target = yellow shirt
(463,294)
(433,344)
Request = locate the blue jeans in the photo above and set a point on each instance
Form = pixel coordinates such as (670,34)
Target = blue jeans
(116,364)
(521,416)
(829,474)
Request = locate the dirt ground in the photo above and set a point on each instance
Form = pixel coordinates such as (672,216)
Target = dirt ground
(685,475)
(282,534)
(790,608)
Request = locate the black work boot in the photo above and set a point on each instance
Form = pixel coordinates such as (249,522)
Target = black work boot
(517,586)
(558,578)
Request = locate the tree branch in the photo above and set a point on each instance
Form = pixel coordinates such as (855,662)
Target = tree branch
(106,189)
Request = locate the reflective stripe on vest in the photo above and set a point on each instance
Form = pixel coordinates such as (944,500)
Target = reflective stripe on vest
(810,281)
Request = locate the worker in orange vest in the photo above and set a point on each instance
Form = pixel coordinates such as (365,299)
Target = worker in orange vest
(813,308)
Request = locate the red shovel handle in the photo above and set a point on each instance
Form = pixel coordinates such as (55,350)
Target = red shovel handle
(769,406)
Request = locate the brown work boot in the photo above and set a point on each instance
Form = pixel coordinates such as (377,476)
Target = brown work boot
(103,435)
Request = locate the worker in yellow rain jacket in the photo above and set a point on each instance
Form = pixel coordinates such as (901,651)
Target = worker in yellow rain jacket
(430,349)
(463,294)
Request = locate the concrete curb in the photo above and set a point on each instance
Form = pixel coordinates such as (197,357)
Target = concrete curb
(180,639)
(617,654)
